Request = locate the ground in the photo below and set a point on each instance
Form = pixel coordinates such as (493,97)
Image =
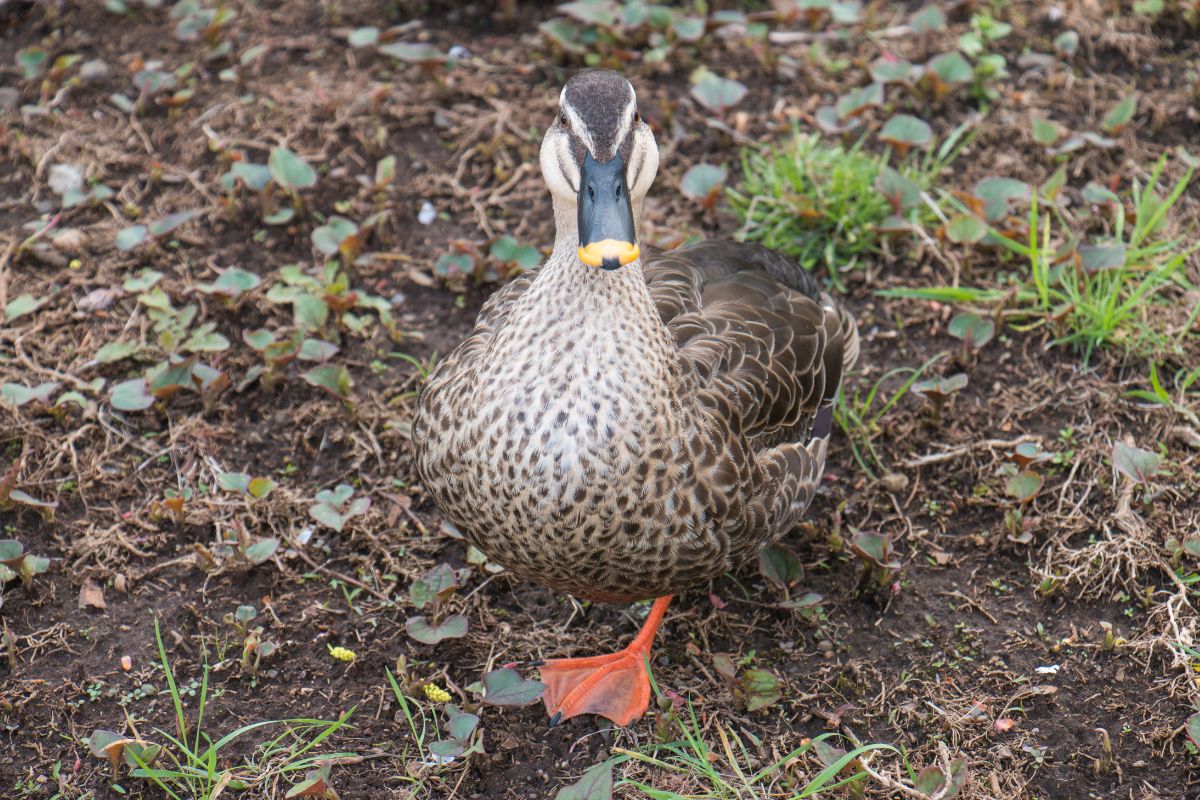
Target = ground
(1041,642)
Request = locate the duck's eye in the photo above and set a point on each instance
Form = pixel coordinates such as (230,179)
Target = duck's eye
(562,120)
(636,118)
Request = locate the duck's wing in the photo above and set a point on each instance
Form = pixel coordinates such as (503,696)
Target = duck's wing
(756,332)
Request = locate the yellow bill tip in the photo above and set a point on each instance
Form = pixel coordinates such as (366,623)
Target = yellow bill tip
(608,251)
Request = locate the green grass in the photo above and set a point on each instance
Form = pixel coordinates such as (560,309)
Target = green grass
(820,203)
(1121,307)
(192,765)
(859,419)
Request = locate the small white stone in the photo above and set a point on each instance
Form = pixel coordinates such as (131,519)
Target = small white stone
(95,70)
(66,178)
(427,214)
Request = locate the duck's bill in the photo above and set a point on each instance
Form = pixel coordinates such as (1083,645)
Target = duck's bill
(606,235)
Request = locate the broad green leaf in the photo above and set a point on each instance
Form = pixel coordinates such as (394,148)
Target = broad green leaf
(258,340)
(1066,43)
(596,784)
(117,351)
(508,251)
(1045,132)
(997,193)
(363,37)
(142,281)
(892,70)
(779,565)
(905,131)
(21,305)
(161,227)
(941,387)
(1024,486)
(688,29)
(289,170)
(761,689)
(900,192)
(234,481)
(453,627)
(418,53)
(280,217)
(856,101)
(450,265)
(716,93)
(966,229)
(972,328)
(19,394)
(232,283)
(1120,114)
(260,487)
(131,237)
(506,687)
(31,60)
(874,547)
(590,12)
(1134,463)
(317,350)
(1101,257)
(563,33)
(1193,728)
(311,313)
(262,550)
(951,68)
(329,237)
(130,395)
(331,378)
(703,181)
(928,19)
(462,725)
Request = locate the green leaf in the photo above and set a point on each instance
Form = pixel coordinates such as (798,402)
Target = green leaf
(596,784)
(972,328)
(1045,132)
(131,237)
(331,378)
(900,192)
(450,265)
(329,237)
(563,33)
(363,37)
(761,689)
(461,725)
(289,170)
(951,68)
(21,305)
(130,395)
(892,70)
(143,280)
(508,251)
(280,217)
(591,12)
(941,387)
(688,29)
(779,565)
(117,351)
(506,687)
(874,547)
(702,182)
(232,283)
(928,19)
(262,550)
(31,60)
(419,53)
(336,496)
(1120,114)
(997,193)
(1134,463)
(856,101)
(904,131)
(1193,728)
(448,748)
(317,350)
(161,227)
(966,229)
(1024,486)
(453,627)
(716,93)
(1101,257)
(234,481)
(206,340)
(1066,43)
(245,614)
(26,499)
(19,394)
(260,487)
(311,313)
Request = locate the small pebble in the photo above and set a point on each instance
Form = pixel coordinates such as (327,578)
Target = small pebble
(65,178)
(95,70)
(459,53)
(427,213)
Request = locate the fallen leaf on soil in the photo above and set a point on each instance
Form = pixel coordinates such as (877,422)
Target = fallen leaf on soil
(90,594)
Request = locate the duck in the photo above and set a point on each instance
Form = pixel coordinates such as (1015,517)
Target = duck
(625,422)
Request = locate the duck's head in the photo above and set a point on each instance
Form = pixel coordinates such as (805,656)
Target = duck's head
(599,159)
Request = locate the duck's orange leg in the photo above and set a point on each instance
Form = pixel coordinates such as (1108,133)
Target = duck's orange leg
(615,686)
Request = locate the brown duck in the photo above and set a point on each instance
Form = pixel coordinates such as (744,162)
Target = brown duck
(622,424)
